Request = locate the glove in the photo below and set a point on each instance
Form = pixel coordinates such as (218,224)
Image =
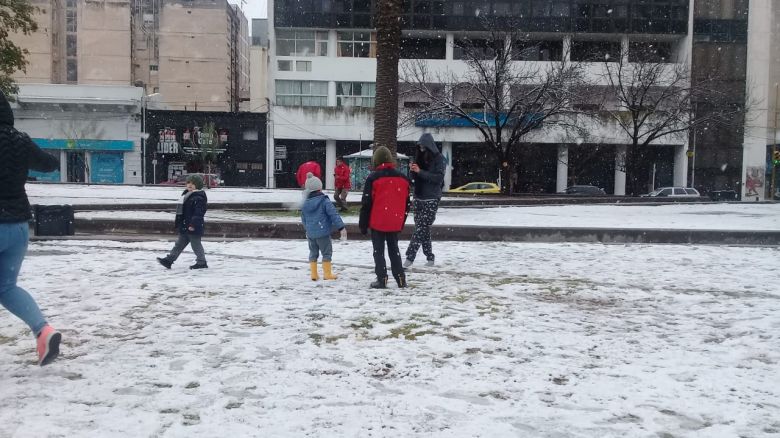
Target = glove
(192,229)
(343,233)
(364,231)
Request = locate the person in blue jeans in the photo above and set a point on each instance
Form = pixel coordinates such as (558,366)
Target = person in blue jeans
(19,154)
(320,218)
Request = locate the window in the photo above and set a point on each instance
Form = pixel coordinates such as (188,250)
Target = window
(72,72)
(476,49)
(555,8)
(423,48)
(250,135)
(357,44)
(301,93)
(301,43)
(153,67)
(360,94)
(650,52)
(472,106)
(302,65)
(284,65)
(70,21)
(679,191)
(692,192)
(537,50)
(70,44)
(595,51)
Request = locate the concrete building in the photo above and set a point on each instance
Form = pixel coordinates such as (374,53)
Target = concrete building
(193,53)
(322,67)
(95,130)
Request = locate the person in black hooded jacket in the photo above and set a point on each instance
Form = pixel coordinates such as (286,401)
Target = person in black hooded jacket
(428,178)
(190,213)
(19,154)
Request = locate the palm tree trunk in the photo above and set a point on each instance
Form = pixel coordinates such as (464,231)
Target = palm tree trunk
(388,26)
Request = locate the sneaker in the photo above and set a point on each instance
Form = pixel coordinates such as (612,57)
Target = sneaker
(429,263)
(165,262)
(408,263)
(48,345)
(199,266)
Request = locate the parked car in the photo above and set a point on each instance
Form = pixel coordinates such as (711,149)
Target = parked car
(674,192)
(585,190)
(210,180)
(477,187)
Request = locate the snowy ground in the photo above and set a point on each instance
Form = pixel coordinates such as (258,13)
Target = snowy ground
(676,216)
(566,340)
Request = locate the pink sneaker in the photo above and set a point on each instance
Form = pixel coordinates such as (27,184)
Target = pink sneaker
(48,345)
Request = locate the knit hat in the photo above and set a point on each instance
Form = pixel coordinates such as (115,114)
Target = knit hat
(196,180)
(313,183)
(382,155)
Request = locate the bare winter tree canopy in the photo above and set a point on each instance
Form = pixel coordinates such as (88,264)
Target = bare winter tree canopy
(502,99)
(651,100)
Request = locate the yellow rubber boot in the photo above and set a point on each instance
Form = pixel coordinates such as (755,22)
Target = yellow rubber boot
(327,269)
(313,267)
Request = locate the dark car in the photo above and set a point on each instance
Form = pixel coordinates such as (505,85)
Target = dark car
(585,191)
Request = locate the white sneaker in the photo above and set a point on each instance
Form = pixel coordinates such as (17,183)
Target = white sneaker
(429,263)
(407,263)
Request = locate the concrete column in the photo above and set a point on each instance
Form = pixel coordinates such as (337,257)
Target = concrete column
(330,164)
(620,170)
(333,42)
(562,176)
(449,48)
(681,166)
(567,48)
(624,46)
(270,163)
(63,166)
(331,93)
(446,150)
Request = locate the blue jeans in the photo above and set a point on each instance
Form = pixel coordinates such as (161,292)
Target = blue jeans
(320,244)
(13,247)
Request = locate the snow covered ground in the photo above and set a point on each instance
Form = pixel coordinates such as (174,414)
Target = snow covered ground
(734,216)
(676,216)
(499,340)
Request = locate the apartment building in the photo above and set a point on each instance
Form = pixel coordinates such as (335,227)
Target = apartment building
(191,54)
(321,69)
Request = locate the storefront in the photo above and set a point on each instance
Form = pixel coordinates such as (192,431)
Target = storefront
(94,161)
(230,146)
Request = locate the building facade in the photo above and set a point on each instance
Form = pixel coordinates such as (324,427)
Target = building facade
(322,68)
(191,54)
(94,130)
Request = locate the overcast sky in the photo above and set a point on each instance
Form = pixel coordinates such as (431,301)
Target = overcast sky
(253,9)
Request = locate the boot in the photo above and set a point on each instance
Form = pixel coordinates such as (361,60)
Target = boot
(313,267)
(380,283)
(327,270)
(199,265)
(165,261)
(48,345)
(400,279)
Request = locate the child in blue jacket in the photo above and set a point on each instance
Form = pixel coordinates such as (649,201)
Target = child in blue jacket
(319,218)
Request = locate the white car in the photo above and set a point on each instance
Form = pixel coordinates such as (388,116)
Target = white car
(674,192)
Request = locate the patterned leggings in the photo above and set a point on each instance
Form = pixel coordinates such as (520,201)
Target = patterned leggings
(424,216)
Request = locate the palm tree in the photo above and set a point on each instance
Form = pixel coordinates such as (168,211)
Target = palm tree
(388,27)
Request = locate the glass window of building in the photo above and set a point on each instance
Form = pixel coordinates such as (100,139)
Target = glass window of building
(301,43)
(284,65)
(357,44)
(467,48)
(650,52)
(301,93)
(595,51)
(537,50)
(423,48)
(359,94)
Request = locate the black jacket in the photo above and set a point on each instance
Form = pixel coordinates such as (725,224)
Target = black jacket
(429,181)
(18,154)
(193,212)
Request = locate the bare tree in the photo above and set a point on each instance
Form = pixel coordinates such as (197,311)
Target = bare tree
(503,99)
(388,26)
(651,100)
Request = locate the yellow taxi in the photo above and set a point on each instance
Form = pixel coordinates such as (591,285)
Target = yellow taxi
(477,188)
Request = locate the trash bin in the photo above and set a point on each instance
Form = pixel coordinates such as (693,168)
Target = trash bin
(53,220)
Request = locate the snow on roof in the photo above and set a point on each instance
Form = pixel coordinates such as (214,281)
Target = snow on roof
(368,153)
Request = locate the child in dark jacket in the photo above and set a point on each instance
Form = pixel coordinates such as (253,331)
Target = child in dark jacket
(319,218)
(384,208)
(189,222)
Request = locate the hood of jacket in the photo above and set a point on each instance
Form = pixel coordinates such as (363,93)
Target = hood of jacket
(428,143)
(312,202)
(6,115)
